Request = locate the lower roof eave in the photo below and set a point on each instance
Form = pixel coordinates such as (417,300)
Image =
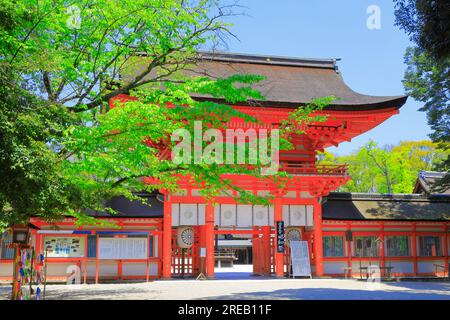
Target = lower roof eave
(388,220)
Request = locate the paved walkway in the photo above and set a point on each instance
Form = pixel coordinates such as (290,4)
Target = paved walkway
(336,289)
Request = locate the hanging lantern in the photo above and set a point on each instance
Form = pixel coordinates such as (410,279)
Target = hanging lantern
(185,237)
(22,233)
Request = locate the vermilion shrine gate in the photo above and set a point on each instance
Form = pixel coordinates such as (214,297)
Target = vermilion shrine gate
(290,82)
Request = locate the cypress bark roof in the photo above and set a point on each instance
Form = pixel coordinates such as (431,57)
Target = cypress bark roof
(292,81)
(126,208)
(425,181)
(354,206)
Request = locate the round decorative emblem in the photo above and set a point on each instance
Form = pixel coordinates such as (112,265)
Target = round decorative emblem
(297,215)
(188,214)
(259,215)
(227,214)
(293,234)
(185,238)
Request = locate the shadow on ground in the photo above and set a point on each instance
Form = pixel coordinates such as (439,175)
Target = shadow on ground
(86,293)
(331,294)
(422,285)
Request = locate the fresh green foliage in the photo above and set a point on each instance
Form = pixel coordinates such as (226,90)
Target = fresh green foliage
(388,169)
(63,150)
(427,24)
(427,77)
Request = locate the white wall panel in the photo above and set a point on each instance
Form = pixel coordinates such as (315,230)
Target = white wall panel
(428,266)
(401,266)
(188,214)
(201,214)
(297,215)
(175,214)
(227,215)
(334,267)
(244,215)
(260,215)
(310,216)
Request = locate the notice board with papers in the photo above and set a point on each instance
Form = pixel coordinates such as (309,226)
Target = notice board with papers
(122,248)
(301,266)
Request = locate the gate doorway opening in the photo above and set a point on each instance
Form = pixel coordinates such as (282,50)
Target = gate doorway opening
(243,253)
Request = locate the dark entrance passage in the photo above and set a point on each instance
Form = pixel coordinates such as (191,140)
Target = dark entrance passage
(242,254)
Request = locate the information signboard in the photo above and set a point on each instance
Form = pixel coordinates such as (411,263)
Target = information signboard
(301,266)
(280,236)
(122,248)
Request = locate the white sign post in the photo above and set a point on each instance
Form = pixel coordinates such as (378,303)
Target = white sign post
(301,266)
(202,276)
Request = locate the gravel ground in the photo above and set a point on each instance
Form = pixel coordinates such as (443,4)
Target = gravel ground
(241,286)
(247,289)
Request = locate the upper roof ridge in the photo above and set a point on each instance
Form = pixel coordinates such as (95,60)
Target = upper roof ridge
(329,63)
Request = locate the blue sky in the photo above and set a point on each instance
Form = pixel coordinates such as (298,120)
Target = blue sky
(372,60)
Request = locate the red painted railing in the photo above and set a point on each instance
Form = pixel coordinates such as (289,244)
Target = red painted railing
(324,169)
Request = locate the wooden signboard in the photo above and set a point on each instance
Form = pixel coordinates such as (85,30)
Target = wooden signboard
(301,266)
(280,236)
(122,248)
(64,247)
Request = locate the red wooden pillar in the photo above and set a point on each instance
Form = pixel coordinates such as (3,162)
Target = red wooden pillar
(257,252)
(266,251)
(414,248)
(119,269)
(96,259)
(382,253)
(445,250)
(85,259)
(318,247)
(147,266)
(279,256)
(37,244)
(202,244)
(167,239)
(159,239)
(209,239)
(349,248)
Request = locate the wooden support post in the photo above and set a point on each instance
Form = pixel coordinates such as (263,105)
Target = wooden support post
(209,239)
(119,269)
(159,253)
(85,259)
(200,262)
(318,247)
(279,256)
(446,250)
(147,267)
(15,280)
(382,253)
(414,248)
(96,259)
(167,239)
(266,251)
(349,249)
(257,252)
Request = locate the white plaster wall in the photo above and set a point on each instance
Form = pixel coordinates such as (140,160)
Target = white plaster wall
(244,215)
(401,266)
(139,269)
(331,267)
(355,264)
(428,267)
(6,269)
(58,269)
